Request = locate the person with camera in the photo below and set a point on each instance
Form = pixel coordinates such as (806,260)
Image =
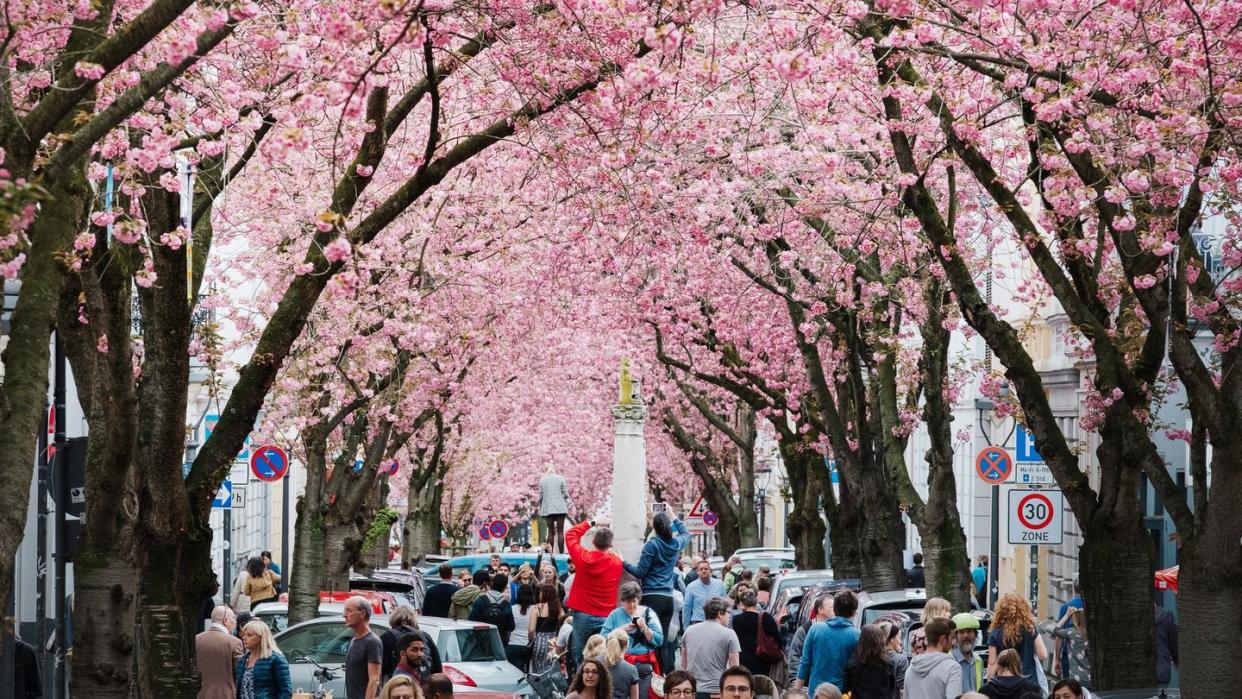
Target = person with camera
(642,624)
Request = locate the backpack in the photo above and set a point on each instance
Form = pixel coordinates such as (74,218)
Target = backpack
(767,648)
(496,613)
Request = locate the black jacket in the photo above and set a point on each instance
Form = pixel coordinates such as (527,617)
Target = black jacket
(870,680)
(1010,688)
(439,599)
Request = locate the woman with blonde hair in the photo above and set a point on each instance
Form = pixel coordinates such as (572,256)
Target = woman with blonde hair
(1013,627)
(401,687)
(262,671)
(611,652)
(935,607)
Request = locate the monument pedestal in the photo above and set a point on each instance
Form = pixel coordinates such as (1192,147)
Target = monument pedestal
(629,470)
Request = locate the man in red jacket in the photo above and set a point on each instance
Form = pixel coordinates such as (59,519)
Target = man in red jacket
(597,573)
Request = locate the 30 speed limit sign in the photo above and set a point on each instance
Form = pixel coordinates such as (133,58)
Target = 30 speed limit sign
(1035,517)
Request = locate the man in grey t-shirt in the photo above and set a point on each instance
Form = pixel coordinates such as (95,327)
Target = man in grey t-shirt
(709,648)
(366,652)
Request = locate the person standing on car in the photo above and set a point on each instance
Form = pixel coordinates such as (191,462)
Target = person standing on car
(402,622)
(439,597)
(597,575)
(494,608)
(364,659)
(710,648)
(698,592)
(554,506)
(656,571)
(830,645)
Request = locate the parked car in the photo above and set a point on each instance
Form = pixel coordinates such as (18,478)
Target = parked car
(473,656)
(276,614)
(905,608)
(764,549)
(479,561)
(430,562)
(405,585)
(776,561)
(805,602)
(800,579)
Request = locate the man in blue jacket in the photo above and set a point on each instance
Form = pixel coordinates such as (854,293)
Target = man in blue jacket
(829,645)
(657,566)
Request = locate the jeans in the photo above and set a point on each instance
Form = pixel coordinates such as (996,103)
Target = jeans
(662,605)
(585,625)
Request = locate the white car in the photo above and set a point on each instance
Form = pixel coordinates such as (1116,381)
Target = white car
(472,654)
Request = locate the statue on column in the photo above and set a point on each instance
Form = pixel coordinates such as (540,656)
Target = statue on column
(554,506)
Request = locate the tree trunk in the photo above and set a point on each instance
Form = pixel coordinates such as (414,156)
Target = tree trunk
(805,525)
(342,546)
(728,532)
(105,593)
(1115,571)
(420,533)
(308,547)
(173,583)
(1209,601)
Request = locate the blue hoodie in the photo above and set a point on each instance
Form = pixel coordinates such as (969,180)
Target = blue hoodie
(658,563)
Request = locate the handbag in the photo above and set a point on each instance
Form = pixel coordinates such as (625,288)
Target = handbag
(767,649)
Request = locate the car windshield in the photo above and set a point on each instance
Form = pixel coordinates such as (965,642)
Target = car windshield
(275,622)
(323,643)
(480,644)
(772,562)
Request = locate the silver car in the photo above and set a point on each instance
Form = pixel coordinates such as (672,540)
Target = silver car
(472,653)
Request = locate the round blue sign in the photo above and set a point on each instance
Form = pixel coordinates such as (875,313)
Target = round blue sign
(269,463)
(498,529)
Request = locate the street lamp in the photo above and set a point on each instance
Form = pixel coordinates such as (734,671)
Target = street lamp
(983,405)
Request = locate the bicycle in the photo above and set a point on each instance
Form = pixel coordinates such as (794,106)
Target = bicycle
(323,675)
(549,684)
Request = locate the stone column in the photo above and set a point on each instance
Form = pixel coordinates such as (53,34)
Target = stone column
(629,469)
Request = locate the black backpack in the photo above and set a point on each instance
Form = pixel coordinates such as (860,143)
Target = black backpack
(497,614)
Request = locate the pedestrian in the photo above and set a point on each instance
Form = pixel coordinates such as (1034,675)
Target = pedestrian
(1166,645)
(400,687)
(1064,620)
(934,608)
(979,575)
(710,648)
(590,682)
(895,653)
(563,640)
(917,575)
(207,605)
(493,608)
(217,650)
(592,597)
(525,578)
(1072,659)
(693,571)
(464,599)
(735,595)
(27,680)
(554,506)
(656,572)
(830,645)
(644,634)
(680,684)
(262,671)
(750,625)
(737,683)
(1009,682)
(731,572)
(439,686)
(541,626)
(493,564)
(412,655)
(763,591)
(697,593)
(1013,626)
(518,650)
(260,585)
(822,612)
(273,566)
(869,674)
(611,652)
(402,622)
(827,690)
(965,639)
(934,674)
(439,597)
(243,618)
(364,658)
(547,575)
(1069,689)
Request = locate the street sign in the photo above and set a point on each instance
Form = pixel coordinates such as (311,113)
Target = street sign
(239,473)
(269,463)
(696,512)
(1034,473)
(1035,517)
(476,522)
(393,467)
(498,529)
(209,424)
(710,518)
(657,507)
(239,497)
(224,497)
(993,465)
(484,534)
(1026,447)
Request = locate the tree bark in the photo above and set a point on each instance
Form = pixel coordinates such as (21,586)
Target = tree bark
(805,526)
(309,540)
(420,532)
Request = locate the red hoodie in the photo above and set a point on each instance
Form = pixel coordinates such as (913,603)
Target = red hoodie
(597,574)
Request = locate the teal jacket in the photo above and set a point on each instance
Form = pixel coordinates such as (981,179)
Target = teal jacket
(271,676)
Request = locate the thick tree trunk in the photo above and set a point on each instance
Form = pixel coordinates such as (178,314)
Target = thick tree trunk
(728,533)
(1115,571)
(805,526)
(880,540)
(342,546)
(173,583)
(1209,600)
(105,592)
(420,533)
(308,546)
(946,560)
